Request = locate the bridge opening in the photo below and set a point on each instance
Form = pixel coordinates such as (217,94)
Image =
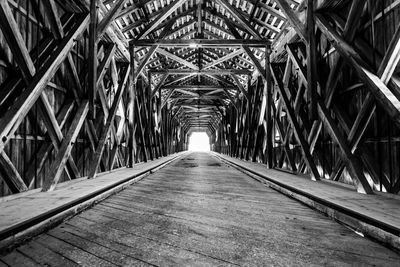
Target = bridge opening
(199,141)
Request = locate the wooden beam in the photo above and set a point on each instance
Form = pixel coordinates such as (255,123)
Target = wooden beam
(66,147)
(177,59)
(14,38)
(55,22)
(44,106)
(286,147)
(224,58)
(106,109)
(391,58)
(165,101)
(144,62)
(92,61)
(28,71)
(199,87)
(10,175)
(311,62)
(131,109)
(95,162)
(350,29)
(55,133)
(141,130)
(14,116)
(240,86)
(235,13)
(246,48)
(44,151)
(203,43)
(159,85)
(305,149)
(354,134)
(101,70)
(154,23)
(199,17)
(382,93)
(186,76)
(152,50)
(293,18)
(267,92)
(204,72)
(352,162)
(110,17)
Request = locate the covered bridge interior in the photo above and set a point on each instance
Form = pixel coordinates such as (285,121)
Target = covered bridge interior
(297,97)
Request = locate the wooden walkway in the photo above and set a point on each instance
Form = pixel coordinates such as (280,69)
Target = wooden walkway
(376,215)
(198,211)
(26,214)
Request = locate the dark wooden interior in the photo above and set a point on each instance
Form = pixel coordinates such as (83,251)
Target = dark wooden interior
(306,87)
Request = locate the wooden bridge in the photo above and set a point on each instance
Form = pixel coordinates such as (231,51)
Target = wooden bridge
(299,101)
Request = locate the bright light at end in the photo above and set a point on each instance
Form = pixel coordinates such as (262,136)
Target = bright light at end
(199,142)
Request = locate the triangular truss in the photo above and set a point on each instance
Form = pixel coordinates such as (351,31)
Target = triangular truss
(90,86)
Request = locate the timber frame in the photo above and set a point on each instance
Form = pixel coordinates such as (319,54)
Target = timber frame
(303,123)
(300,85)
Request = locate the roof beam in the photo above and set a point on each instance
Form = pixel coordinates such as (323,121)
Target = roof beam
(205,72)
(212,43)
(198,87)
(224,58)
(177,59)
(240,86)
(165,14)
(186,76)
(235,13)
(249,53)
(151,52)
(294,19)
(110,17)
(199,17)
(159,85)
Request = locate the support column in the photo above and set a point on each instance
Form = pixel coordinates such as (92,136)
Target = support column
(268,111)
(92,72)
(131,108)
(311,62)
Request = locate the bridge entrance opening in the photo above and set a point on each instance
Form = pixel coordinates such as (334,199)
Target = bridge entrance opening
(199,141)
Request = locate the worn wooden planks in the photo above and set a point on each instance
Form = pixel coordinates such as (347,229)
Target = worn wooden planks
(198,211)
(26,214)
(375,215)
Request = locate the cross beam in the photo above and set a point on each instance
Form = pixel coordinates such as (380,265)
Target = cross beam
(196,43)
(205,72)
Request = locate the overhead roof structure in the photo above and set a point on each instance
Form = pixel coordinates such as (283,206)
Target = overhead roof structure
(303,95)
(200,55)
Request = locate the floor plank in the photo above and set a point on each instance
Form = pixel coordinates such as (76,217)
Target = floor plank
(198,211)
(380,206)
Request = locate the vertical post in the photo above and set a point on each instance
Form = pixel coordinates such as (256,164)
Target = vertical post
(268,111)
(131,118)
(311,62)
(92,72)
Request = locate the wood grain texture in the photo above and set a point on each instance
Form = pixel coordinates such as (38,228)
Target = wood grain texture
(26,214)
(375,215)
(198,211)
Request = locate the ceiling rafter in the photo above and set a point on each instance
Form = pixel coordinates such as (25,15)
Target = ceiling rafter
(219,42)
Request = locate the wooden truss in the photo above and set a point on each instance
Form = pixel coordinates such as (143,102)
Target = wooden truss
(90,86)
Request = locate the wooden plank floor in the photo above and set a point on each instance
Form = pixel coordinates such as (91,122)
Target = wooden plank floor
(21,209)
(380,208)
(198,211)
